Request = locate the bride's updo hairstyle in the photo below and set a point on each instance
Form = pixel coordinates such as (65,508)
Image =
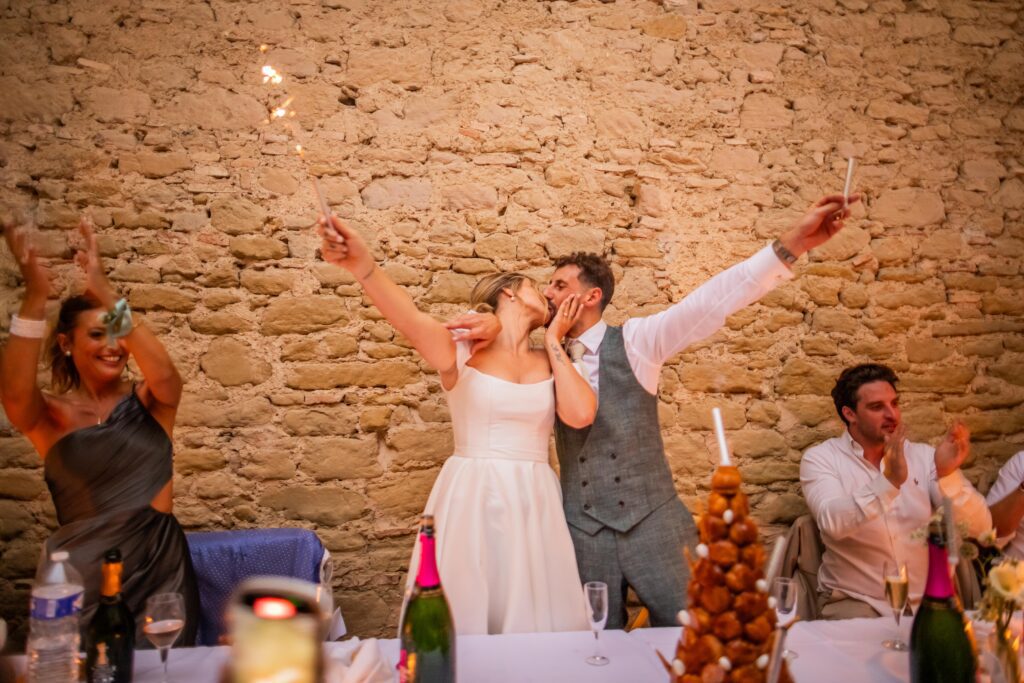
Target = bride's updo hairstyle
(485,294)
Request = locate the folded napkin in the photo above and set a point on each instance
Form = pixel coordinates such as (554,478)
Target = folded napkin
(363,662)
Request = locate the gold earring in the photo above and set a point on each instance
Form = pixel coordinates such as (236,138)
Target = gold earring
(68,354)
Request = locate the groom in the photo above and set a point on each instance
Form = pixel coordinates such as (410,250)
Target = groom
(627,523)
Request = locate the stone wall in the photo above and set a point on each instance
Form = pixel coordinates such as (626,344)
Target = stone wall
(467,136)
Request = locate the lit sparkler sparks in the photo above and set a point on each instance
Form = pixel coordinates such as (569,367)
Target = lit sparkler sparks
(270,75)
(285,111)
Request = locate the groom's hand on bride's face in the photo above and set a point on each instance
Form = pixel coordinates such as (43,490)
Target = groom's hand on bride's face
(479,328)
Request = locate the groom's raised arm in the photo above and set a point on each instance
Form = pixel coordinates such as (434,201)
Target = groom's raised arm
(658,337)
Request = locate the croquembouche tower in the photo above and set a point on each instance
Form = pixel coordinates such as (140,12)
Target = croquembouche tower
(729,626)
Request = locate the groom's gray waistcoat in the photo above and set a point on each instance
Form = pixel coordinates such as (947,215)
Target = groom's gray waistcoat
(614,472)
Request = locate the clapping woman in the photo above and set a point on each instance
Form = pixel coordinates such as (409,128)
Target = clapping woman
(105,440)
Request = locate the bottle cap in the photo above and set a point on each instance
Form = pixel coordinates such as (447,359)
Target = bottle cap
(59,556)
(112,555)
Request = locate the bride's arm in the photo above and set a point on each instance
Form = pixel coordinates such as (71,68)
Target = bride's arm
(575,401)
(343,247)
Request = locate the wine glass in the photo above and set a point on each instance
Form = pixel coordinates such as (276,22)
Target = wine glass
(596,593)
(896,590)
(164,622)
(784,590)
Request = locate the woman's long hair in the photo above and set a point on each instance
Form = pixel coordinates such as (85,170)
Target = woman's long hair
(488,289)
(63,373)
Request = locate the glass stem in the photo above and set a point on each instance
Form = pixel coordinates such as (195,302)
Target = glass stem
(597,644)
(163,659)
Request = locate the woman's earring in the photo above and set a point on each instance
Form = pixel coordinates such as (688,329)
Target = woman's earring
(511,298)
(68,354)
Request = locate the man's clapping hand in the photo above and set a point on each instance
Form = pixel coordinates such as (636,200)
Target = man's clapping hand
(951,453)
(894,461)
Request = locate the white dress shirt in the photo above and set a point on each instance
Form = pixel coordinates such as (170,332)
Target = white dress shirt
(865,521)
(652,340)
(1010,476)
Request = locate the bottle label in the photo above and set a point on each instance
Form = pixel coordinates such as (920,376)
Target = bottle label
(56,607)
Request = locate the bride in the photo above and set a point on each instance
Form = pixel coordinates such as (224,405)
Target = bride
(504,552)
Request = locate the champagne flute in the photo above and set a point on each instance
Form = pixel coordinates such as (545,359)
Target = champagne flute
(164,622)
(784,590)
(896,592)
(596,593)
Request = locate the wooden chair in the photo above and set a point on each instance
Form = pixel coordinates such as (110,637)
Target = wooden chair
(801,561)
(804,549)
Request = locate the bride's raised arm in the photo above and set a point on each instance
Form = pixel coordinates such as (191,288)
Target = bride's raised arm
(343,247)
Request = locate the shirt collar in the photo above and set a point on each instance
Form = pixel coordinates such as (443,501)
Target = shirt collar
(851,446)
(592,338)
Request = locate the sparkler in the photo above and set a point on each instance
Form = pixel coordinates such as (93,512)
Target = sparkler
(285,112)
(850,164)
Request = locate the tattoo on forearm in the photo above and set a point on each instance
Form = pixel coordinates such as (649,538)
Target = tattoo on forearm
(559,353)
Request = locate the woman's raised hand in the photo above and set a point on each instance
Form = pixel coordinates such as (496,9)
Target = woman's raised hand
(88,259)
(33,270)
(565,317)
(342,246)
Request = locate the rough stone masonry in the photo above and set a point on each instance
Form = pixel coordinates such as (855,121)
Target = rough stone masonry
(468,136)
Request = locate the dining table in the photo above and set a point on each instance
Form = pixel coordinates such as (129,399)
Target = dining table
(845,651)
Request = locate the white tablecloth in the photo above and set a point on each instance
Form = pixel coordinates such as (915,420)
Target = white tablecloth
(836,651)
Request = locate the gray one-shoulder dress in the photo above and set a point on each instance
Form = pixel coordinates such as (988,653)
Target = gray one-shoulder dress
(102,479)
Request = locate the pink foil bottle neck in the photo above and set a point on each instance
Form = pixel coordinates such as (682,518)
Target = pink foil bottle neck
(939,585)
(428,576)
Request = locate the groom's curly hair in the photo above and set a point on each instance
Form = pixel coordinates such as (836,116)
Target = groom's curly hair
(594,272)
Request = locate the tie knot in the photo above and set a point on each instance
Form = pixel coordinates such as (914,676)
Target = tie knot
(575,349)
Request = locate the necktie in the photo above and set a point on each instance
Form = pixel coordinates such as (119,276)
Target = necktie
(575,349)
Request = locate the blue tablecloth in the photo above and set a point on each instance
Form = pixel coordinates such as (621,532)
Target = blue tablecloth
(223,559)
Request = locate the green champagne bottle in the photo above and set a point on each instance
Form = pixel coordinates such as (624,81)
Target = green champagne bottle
(941,650)
(427,632)
(113,627)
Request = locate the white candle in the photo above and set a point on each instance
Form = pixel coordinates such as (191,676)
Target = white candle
(723,449)
(850,163)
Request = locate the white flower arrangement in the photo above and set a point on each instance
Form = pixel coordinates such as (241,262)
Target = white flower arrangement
(1004,594)
(1004,591)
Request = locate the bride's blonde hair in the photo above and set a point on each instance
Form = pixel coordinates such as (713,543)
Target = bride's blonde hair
(486,292)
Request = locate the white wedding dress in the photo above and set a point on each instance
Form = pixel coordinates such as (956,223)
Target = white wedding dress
(503,548)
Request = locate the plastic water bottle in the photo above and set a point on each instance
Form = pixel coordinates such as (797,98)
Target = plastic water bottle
(53,638)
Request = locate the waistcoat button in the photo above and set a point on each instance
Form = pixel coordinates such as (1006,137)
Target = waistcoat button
(583,459)
(616,480)
(613,456)
(621,504)
(586,506)
(584,483)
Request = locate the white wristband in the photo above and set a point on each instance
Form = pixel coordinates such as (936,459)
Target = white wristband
(30,329)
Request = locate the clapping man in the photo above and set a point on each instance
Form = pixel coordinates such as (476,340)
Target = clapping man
(872,491)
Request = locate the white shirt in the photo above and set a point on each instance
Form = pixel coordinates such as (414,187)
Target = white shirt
(865,521)
(1010,476)
(652,340)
